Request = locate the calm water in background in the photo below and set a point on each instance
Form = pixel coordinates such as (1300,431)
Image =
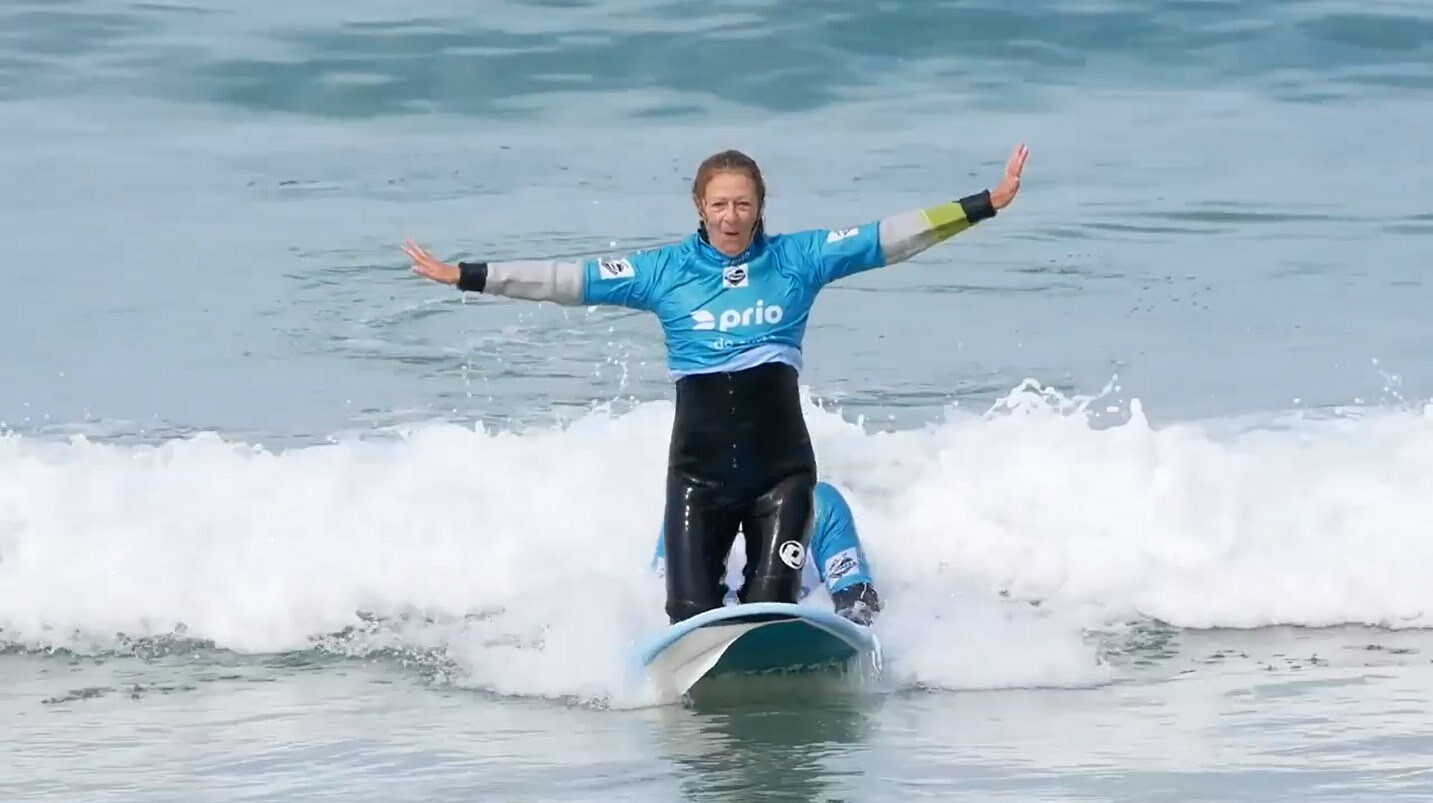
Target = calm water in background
(279,520)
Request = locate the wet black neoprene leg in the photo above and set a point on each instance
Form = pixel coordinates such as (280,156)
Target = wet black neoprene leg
(777,530)
(699,533)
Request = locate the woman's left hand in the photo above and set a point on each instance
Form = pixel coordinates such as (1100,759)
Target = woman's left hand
(1005,191)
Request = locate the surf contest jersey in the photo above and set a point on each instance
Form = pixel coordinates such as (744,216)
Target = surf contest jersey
(724,313)
(835,559)
(721,313)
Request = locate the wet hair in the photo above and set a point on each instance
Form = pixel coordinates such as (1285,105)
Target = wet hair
(733,162)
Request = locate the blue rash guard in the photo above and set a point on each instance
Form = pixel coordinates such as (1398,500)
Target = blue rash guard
(837,559)
(724,313)
(721,313)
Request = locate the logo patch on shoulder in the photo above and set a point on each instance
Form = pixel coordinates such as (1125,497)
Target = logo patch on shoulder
(615,269)
(840,564)
(837,235)
(735,276)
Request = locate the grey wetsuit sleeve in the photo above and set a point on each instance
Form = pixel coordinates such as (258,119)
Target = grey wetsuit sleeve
(909,233)
(559,281)
(896,238)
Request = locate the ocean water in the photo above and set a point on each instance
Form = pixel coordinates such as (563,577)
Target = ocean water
(1144,465)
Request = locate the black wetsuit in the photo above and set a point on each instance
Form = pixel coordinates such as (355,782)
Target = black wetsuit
(740,457)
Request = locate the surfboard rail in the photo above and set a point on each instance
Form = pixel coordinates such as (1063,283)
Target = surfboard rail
(750,639)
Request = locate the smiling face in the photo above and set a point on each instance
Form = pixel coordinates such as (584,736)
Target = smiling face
(730,197)
(730,208)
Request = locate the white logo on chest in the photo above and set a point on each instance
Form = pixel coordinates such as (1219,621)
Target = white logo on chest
(728,319)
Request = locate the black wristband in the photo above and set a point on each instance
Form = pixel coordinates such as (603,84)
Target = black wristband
(977,207)
(473,276)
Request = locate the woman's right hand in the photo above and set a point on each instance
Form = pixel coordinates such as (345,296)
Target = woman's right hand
(425,265)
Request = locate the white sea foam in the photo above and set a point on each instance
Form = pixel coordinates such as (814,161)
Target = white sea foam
(542,538)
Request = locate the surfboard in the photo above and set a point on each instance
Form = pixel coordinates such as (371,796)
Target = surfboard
(754,639)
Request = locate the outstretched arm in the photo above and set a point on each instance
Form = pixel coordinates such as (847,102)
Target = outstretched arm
(840,559)
(624,282)
(906,234)
(899,237)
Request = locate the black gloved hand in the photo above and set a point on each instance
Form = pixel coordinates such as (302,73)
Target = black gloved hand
(858,603)
(858,613)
